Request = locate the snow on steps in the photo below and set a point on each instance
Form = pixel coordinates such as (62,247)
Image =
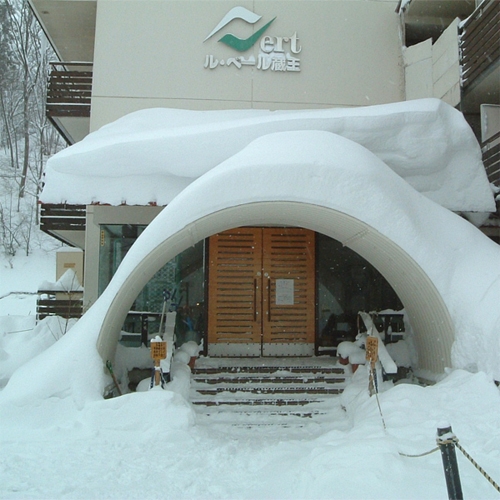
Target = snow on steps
(265,391)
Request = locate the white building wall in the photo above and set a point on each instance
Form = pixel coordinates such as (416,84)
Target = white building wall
(152,54)
(446,66)
(69,258)
(419,82)
(434,70)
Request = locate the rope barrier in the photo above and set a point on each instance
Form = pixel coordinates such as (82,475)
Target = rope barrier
(440,441)
(451,440)
(478,467)
(454,440)
(420,454)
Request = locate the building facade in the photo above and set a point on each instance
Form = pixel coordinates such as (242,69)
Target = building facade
(117,57)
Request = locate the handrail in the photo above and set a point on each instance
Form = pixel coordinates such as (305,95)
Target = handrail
(64,303)
(71,63)
(57,217)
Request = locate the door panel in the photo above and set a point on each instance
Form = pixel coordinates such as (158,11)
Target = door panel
(261,292)
(288,299)
(235,301)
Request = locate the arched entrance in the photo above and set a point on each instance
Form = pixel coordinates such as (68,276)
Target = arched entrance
(328,185)
(427,312)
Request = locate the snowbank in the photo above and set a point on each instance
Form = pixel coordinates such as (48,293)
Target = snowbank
(153,154)
(144,445)
(59,438)
(20,278)
(71,368)
(316,168)
(68,282)
(21,340)
(321,168)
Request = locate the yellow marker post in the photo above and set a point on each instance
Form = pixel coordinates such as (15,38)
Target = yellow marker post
(371,347)
(158,352)
(372,350)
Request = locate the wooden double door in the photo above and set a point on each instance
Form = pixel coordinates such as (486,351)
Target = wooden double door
(261,292)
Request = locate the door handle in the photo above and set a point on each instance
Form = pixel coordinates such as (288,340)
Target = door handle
(255,299)
(268,299)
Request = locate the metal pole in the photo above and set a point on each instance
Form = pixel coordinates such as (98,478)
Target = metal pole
(446,442)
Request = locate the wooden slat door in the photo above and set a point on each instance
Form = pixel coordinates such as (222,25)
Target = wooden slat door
(289,292)
(235,298)
(261,292)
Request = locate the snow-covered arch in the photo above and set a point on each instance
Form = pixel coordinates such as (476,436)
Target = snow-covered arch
(326,183)
(427,311)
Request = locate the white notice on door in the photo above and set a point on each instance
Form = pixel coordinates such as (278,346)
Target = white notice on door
(284,293)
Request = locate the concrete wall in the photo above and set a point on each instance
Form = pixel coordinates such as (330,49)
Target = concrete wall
(153,54)
(70,258)
(419,83)
(446,66)
(434,70)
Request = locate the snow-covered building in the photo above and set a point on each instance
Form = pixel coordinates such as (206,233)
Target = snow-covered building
(297,147)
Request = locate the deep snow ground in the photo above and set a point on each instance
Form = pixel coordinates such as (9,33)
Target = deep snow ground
(148,445)
(151,445)
(24,274)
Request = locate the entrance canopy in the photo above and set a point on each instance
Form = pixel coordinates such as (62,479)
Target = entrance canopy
(151,155)
(321,181)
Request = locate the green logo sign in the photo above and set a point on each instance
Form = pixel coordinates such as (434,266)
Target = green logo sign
(240,44)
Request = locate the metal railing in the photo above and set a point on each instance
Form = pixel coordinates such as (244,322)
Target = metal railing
(491,158)
(69,89)
(480,41)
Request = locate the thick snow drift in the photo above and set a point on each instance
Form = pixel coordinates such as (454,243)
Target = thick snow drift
(315,168)
(153,154)
(320,168)
(60,438)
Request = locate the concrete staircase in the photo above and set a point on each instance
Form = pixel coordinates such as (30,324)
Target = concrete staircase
(266,391)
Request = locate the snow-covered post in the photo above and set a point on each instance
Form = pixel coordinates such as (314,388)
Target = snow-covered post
(446,442)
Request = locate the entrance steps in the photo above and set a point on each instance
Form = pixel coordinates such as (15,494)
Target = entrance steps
(266,391)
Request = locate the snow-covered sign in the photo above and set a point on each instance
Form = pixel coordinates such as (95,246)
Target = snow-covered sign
(383,354)
(158,349)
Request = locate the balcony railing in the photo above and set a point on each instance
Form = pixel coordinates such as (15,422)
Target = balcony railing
(480,41)
(491,158)
(64,304)
(69,89)
(62,217)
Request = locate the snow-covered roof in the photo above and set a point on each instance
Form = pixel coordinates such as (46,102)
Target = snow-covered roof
(445,270)
(150,156)
(311,185)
